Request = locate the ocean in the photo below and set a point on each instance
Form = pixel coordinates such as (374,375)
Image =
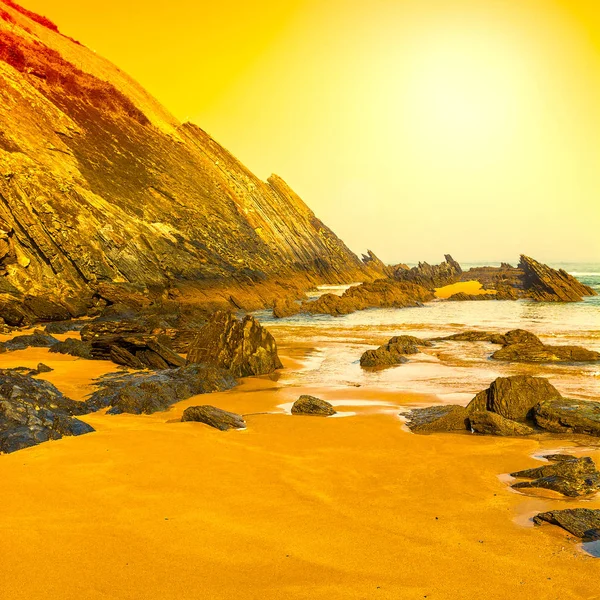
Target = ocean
(454,371)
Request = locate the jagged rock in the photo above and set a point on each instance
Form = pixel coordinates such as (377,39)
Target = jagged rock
(561,415)
(34,411)
(243,347)
(464,297)
(73,347)
(583,523)
(568,476)
(311,405)
(215,417)
(146,393)
(438,418)
(34,340)
(470,336)
(432,276)
(514,397)
(64,326)
(136,351)
(42,368)
(544,284)
(383,293)
(285,307)
(392,353)
(490,423)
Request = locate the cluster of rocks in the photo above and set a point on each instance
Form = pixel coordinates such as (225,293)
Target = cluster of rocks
(512,406)
(431,276)
(519,345)
(393,352)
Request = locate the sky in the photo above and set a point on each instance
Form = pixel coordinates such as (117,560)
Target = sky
(411,127)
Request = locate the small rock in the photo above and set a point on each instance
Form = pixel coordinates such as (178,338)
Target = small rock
(215,417)
(311,405)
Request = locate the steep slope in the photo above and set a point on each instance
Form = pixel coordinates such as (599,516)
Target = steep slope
(100,185)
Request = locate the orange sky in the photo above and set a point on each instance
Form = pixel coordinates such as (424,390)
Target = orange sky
(411,127)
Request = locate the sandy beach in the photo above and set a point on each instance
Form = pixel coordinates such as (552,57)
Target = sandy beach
(292,507)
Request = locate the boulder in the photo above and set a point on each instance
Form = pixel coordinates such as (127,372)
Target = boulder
(38,339)
(513,397)
(562,415)
(490,423)
(215,417)
(583,523)
(64,326)
(73,347)
(469,336)
(438,418)
(243,347)
(310,405)
(569,476)
(42,368)
(392,353)
(146,393)
(34,411)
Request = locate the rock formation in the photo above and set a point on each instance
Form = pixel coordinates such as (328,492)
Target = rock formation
(105,197)
(393,353)
(562,415)
(311,405)
(491,423)
(215,417)
(583,523)
(431,276)
(243,347)
(438,418)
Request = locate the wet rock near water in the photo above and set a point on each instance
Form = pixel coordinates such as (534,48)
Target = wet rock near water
(215,417)
(583,523)
(431,276)
(570,476)
(38,339)
(33,411)
(394,352)
(490,423)
(563,415)
(64,326)
(286,307)
(146,393)
(311,405)
(73,347)
(243,347)
(438,419)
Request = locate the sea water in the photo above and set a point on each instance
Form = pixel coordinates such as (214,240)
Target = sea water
(452,370)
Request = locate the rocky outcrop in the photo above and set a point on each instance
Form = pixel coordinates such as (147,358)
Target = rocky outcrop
(105,197)
(215,417)
(311,405)
(285,307)
(243,347)
(514,397)
(73,347)
(567,475)
(146,393)
(431,276)
(583,523)
(34,411)
(382,293)
(35,340)
(438,419)
(491,423)
(393,353)
(562,415)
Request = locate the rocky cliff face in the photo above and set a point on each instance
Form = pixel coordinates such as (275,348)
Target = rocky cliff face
(99,185)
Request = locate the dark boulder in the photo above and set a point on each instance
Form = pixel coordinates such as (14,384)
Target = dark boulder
(34,411)
(562,415)
(215,417)
(570,477)
(73,347)
(35,340)
(311,405)
(438,418)
(243,347)
(490,423)
(513,397)
(393,353)
(64,326)
(42,368)
(146,393)
(583,523)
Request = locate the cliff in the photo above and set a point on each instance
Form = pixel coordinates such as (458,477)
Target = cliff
(101,187)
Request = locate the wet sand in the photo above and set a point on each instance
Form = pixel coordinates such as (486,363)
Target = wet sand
(291,507)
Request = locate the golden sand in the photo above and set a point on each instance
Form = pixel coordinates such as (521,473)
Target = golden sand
(291,508)
(468,287)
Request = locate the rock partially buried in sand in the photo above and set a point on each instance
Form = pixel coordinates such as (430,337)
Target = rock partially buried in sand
(583,523)
(38,339)
(514,397)
(490,423)
(437,419)
(562,415)
(213,416)
(311,405)
(42,368)
(393,353)
(73,347)
(243,347)
(569,476)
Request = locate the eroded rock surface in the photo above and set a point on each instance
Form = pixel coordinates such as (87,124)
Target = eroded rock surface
(583,523)
(431,276)
(215,417)
(311,405)
(562,415)
(438,418)
(393,353)
(491,423)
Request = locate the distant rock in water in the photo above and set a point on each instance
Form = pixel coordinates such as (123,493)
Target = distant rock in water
(311,405)
(215,417)
(243,347)
(393,353)
(431,276)
(34,411)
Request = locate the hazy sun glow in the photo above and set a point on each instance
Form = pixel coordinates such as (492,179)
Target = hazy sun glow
(411,127)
